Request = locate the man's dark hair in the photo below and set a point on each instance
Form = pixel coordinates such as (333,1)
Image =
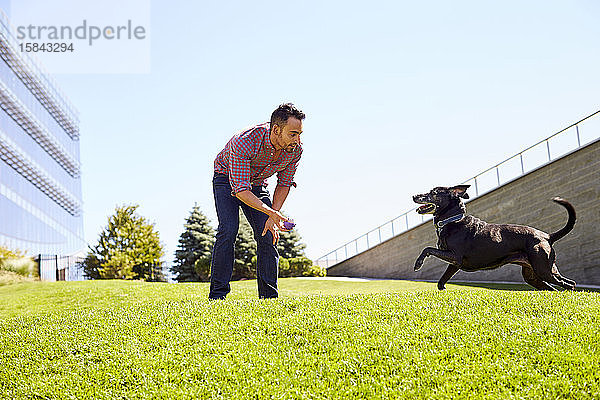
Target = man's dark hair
(281,115)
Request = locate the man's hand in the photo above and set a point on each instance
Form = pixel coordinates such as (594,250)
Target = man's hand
(274,224)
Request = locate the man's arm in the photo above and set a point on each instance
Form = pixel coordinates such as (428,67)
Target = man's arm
(275,217)
(279,196)
(250,199)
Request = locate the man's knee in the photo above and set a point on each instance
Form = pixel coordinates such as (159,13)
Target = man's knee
(227,232)
(265,241)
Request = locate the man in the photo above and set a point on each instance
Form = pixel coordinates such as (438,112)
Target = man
(241,170)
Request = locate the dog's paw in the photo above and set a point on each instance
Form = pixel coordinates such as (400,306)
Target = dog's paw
(418,264)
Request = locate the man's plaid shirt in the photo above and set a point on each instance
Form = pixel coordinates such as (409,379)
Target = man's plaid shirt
(249,159)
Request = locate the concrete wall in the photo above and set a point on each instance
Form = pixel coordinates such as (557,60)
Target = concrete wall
(524,201)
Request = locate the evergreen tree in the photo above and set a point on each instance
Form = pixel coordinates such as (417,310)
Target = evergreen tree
(193,256)
(128,248)
(289,245)
(245,249)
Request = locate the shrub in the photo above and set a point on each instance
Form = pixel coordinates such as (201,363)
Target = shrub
(8,278)
(296,266)
(15,261)
(6,253)
(284,267)
(202,268)
(315,270)
(23,266)
(299,266)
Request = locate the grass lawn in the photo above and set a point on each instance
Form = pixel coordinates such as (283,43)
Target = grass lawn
(320,339)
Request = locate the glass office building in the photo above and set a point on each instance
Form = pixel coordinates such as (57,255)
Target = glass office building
(40,175)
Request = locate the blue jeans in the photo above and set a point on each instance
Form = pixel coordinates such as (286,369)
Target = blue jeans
(221,267)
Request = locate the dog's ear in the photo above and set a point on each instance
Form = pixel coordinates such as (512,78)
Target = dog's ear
(460,190)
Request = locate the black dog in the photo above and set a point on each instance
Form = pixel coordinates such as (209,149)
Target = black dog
(471,244)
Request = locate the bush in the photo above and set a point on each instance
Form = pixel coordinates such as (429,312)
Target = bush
(202,269)
(8,278)
(284,267)
(23,266)
(299,266)
(15,261)
(315,270)
(7,253)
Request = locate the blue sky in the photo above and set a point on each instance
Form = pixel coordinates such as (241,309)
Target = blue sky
(400,97)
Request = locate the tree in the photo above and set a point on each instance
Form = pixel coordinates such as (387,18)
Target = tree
(128,248)
(245,249)
(289,245)
(193,256)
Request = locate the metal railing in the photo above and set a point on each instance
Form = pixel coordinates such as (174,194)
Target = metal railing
(564,141)
(39,74)
(53,268)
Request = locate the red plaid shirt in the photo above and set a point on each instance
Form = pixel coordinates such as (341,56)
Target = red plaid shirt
(249,159)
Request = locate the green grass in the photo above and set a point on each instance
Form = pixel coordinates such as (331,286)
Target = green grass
(320,339)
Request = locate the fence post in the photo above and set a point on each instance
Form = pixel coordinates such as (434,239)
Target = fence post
(498,175)
(578,141)
(522,167)
(548,146)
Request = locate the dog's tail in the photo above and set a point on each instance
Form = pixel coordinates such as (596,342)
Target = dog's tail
(570,223)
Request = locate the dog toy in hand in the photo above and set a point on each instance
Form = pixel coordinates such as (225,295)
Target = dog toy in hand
(289,225)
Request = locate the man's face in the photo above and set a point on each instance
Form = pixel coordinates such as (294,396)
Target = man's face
(289,135)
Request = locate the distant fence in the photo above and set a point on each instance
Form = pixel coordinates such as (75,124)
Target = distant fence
(562,142)
(59,268)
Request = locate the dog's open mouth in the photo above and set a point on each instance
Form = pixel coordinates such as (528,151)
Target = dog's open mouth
(427,208)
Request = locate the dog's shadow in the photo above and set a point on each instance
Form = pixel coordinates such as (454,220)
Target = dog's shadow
(517,287)
(497,286)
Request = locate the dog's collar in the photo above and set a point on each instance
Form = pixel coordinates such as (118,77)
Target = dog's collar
(441,224)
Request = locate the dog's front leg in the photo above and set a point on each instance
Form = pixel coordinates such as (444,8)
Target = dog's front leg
(445,255)
(450,272)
